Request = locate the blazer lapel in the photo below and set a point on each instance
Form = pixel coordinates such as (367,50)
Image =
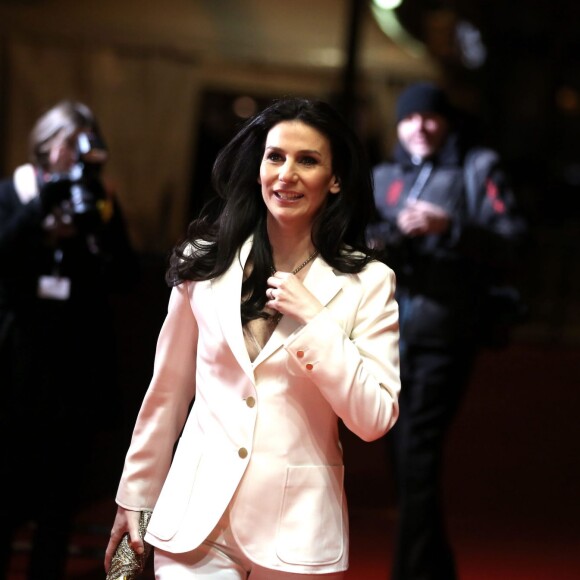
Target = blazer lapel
(320,281)
(227,291)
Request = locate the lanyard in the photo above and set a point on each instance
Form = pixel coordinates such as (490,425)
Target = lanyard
(419,185)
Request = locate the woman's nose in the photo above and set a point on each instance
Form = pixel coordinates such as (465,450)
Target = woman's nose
(287,172)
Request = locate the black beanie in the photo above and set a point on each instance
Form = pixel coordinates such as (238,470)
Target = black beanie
(423,98)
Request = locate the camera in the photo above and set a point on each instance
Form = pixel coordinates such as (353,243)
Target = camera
(80,192)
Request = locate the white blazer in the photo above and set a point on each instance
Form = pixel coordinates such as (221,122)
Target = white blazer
(262,436)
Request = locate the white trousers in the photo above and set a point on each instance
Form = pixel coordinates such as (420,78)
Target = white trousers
(209,562)
(220,558)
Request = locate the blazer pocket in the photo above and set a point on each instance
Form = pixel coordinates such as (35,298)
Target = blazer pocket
(311,527)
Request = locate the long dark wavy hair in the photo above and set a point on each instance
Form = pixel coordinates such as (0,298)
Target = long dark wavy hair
(239,211)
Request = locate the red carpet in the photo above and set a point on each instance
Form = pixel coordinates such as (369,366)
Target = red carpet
(486,551)
(512,481)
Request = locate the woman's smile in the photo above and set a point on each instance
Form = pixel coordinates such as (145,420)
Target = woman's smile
(288,195)
(296,173)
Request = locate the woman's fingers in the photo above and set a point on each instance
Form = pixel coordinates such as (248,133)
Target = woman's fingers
(126,521)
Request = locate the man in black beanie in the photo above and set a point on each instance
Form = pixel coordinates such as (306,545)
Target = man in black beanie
(446,216)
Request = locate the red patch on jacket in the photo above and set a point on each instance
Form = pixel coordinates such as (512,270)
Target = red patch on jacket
(393,193)
(492,193)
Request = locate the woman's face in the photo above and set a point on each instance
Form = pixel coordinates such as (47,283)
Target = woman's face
(62,154)
(296,173)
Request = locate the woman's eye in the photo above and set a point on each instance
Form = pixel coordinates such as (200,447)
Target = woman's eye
(308,161)
(274,157)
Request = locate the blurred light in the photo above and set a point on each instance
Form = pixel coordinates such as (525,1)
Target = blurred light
(328,56)
(471,48)
(389,23)
(244,107)
(568,100)
(387,4)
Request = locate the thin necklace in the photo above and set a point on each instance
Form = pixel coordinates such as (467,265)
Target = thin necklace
(278,315)
(305,263)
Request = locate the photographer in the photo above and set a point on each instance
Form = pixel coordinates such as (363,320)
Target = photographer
(63,247)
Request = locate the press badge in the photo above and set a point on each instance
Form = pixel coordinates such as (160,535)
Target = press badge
(54,287)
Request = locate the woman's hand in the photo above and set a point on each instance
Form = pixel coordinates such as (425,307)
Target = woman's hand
(286,294)
(125,521)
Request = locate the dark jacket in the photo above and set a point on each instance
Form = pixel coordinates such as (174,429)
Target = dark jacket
(57,355)
(441,279)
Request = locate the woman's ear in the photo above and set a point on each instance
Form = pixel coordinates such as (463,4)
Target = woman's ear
(335,187)
(259,180)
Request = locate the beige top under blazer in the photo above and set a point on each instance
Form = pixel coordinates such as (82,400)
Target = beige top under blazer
(262,436)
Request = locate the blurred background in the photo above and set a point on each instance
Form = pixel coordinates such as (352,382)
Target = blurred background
(171,82)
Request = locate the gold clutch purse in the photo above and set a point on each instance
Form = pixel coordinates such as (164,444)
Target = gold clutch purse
(126,564)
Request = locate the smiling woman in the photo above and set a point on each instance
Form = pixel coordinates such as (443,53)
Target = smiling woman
(273,356)
(296,176)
